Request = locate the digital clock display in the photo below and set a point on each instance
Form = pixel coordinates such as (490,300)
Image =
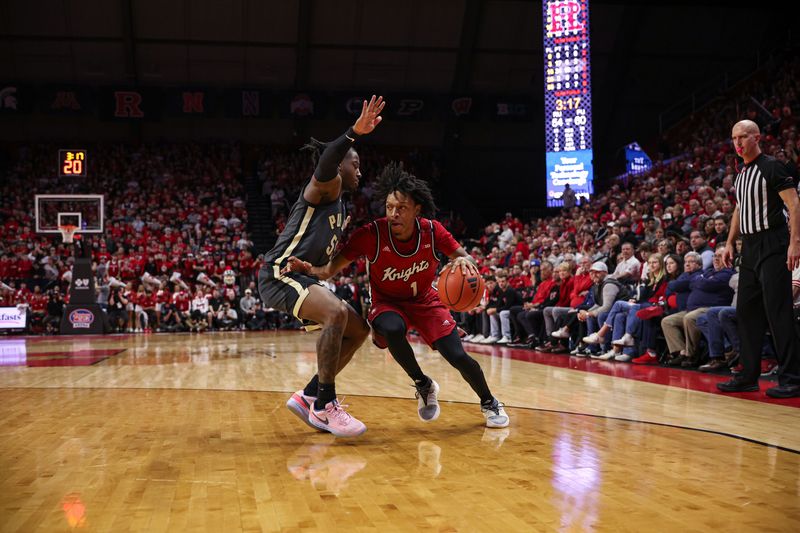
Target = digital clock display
(567,98)
(72,163)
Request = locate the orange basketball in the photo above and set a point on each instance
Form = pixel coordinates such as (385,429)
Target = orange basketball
(459,292)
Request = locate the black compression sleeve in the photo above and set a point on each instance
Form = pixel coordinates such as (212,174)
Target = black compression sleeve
(332,155)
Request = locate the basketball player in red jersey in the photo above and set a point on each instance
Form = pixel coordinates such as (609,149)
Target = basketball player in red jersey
(402,252)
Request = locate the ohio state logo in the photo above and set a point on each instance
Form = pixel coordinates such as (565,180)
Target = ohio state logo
(392,274)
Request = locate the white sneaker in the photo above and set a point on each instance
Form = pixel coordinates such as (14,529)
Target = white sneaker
(605,356)
(504,340)
(428,402)
(495,414)
(623,357)
(477,339)
(562,333)
(594,338)
(490,340)
(468,338)
(625,340)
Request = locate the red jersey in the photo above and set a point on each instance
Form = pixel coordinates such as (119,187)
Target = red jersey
(400,270)
(181,300)
(38,303)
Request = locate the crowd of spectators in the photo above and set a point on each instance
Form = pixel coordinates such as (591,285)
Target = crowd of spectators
(636,275)
(175,224)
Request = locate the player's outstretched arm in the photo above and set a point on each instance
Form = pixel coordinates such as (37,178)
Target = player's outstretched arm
(324,186)
(461,259)
(334,266)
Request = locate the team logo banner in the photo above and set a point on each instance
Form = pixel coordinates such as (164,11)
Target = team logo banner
(66,100)
(188,102)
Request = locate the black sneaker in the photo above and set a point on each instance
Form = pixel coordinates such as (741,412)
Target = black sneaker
(675,360)
(737,385)
(784,391)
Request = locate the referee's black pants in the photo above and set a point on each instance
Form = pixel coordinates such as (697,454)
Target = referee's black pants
(765,300)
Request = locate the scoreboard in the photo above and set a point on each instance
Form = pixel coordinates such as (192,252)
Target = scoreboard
(71,163)
(567,98)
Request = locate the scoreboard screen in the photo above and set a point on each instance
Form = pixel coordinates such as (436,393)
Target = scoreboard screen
(567,98)
(72,163)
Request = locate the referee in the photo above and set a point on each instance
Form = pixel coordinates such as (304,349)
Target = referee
(769,254)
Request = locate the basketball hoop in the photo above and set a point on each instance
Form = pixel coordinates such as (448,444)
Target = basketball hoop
(68,232)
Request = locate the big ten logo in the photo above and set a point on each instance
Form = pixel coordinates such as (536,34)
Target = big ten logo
(128,104)
(193,102)
(462,106)
(410,106)
(251,104)
(353,105)
(8,98)
(81,283)
(65,100)
(301,105)
(563,17)
(507,109)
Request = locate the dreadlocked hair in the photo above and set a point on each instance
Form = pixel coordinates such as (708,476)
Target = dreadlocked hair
(314,148)
(395,179)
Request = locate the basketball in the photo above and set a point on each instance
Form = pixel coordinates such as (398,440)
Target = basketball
(459,292)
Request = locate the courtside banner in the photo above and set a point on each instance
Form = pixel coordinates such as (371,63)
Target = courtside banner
(12,317)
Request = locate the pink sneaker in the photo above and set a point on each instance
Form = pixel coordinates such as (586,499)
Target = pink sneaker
(336,420)
(299,404)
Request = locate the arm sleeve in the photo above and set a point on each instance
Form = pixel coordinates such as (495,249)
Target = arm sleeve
(364,242)
(779,178)
(444,241)
(332,155)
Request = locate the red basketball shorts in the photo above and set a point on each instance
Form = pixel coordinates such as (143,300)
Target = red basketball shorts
(427,315)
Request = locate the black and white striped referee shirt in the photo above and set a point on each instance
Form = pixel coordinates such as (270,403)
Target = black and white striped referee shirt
(758,185)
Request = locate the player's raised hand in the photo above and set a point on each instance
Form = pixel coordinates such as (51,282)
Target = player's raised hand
(293,264)
(370,115)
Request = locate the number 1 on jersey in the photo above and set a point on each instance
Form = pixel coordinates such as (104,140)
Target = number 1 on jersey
(414,288)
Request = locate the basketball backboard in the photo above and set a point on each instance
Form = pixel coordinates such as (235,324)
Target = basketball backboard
(86,211)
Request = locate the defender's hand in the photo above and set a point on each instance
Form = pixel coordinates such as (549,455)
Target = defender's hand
(370,116)
(294,264)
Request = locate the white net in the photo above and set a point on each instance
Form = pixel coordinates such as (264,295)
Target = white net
(68,233)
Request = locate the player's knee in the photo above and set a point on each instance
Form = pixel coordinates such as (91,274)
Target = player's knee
(336,316)
(390,327)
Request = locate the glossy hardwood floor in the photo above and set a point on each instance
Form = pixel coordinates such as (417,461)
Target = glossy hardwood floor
(190,433)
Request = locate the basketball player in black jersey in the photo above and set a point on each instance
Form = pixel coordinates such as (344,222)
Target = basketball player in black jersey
(312,233)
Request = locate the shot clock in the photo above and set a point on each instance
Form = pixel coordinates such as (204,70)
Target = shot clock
(567,99)
(72,163)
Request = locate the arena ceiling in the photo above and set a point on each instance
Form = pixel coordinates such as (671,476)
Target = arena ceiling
(645,57)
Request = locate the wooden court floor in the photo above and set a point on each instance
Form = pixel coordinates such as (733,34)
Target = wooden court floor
(190,433)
